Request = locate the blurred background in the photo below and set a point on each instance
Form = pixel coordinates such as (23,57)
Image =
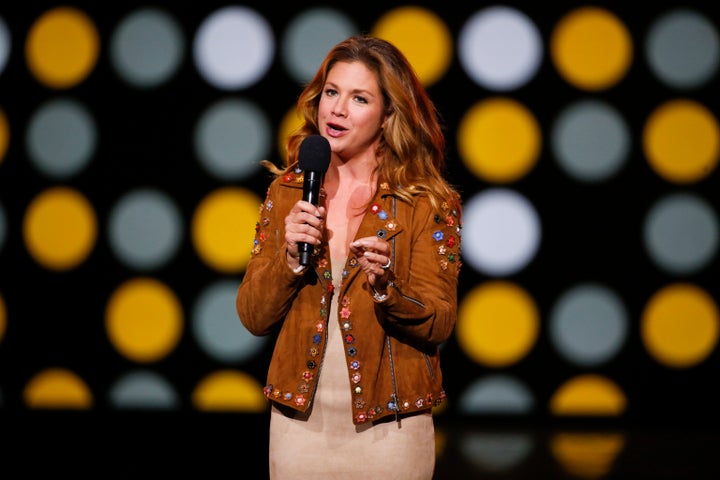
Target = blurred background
(583,137)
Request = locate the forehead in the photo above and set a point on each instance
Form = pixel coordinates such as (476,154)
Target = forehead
(353,75)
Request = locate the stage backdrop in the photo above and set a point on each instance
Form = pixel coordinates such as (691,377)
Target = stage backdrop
(584,140)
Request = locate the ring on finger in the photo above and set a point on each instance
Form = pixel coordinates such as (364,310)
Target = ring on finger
(386,266)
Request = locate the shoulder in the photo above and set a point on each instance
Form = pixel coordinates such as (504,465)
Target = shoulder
(286,180)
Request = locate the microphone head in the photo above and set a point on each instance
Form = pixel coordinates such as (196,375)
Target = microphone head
(314,153)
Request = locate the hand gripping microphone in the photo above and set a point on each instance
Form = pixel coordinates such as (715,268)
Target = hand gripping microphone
(314,159)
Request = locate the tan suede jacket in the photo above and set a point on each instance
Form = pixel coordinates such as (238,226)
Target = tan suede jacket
(391,347)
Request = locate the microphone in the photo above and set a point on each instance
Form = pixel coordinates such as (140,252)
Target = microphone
(314,159)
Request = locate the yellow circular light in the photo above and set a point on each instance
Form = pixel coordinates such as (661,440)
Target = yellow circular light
(422,36)
(144,320)
(223,228)
(499,140)
(680,325)
(591,48)
(60,228)
(682,141)
(498,323)
(62,47)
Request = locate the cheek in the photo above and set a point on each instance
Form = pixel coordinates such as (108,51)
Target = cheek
(323,108)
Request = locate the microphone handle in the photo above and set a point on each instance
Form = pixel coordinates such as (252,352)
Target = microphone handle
(311,193)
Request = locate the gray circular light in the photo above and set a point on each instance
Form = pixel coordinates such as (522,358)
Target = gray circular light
(217,328)
(143,390)
(147,47)
(588,324)
(145,229)
(591,141)
(5,44)
(496,394)
(231,138)
(683,48)
(310,36)
(681,233)
(61,138)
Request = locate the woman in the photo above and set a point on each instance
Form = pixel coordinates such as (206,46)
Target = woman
(355,371)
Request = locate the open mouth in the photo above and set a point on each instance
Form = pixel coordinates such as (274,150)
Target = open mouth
(336,127)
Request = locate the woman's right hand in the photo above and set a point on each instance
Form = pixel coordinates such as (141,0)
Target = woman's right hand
(304,223)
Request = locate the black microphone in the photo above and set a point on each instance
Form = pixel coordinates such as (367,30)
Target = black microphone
(314,159)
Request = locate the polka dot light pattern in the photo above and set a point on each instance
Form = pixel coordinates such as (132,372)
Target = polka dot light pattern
(584,139)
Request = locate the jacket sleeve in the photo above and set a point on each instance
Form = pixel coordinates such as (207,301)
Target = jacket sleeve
(422,304)
(269,285)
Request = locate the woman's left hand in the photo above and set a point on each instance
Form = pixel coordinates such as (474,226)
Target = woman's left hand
(374,257)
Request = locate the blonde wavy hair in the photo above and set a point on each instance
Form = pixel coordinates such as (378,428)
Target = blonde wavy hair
(412,145)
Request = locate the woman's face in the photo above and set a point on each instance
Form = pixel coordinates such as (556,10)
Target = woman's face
(350,113)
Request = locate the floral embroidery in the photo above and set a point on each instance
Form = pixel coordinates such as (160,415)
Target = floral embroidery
(438,235)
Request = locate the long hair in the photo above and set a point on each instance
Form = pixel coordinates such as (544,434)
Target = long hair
(412,145)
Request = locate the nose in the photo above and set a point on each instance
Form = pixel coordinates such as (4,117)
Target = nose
(339,109)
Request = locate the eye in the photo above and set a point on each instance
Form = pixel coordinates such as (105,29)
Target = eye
(330,92)
(360,99)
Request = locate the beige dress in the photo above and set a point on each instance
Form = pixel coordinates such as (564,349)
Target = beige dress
(325,444)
